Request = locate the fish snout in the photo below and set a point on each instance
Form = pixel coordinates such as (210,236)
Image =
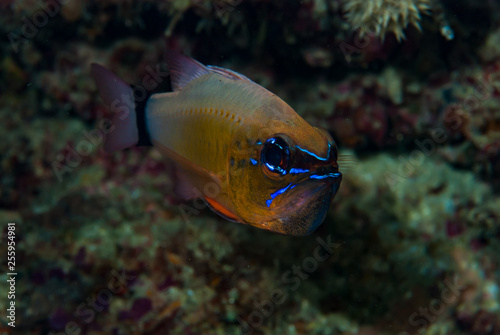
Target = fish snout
(306,203)
(327,169)
(333,154)
(306,159)
(329,174)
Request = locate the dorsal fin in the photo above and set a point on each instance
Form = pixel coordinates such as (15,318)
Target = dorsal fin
(183,69)
(227,73)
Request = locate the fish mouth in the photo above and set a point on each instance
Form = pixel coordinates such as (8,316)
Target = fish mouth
(302,207)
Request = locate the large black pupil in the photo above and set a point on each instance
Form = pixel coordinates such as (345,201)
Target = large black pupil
(274,155)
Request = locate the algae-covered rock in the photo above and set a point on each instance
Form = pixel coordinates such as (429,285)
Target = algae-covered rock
(103,246)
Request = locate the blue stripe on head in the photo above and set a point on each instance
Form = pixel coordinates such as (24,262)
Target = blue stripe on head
(278,192)
(298,171)
(324,176)
(313,154)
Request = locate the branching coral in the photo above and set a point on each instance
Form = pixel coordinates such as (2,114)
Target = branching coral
(382,16)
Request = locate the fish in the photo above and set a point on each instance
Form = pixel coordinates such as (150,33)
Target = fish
(231,142)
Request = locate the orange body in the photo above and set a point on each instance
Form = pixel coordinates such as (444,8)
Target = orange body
(244,150)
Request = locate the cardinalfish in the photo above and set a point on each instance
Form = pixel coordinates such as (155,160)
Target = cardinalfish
(230,141)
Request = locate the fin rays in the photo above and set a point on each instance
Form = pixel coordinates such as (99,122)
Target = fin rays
(347,163)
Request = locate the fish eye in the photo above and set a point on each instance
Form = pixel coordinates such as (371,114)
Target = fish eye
(275,155)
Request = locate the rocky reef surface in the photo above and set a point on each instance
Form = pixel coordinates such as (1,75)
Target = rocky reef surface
(410,90)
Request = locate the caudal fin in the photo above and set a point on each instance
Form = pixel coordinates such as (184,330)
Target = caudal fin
(119,97)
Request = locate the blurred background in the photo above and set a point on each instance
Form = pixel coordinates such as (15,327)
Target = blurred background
(409,89)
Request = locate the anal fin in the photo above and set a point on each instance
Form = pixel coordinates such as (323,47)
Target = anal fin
(221,210)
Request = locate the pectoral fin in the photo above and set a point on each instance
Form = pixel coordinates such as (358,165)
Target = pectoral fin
(190,180)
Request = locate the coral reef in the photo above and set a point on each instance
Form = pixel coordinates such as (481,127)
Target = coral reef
(380,17)
(410,245)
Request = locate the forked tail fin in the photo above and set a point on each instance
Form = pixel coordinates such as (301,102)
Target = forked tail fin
(119,97)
